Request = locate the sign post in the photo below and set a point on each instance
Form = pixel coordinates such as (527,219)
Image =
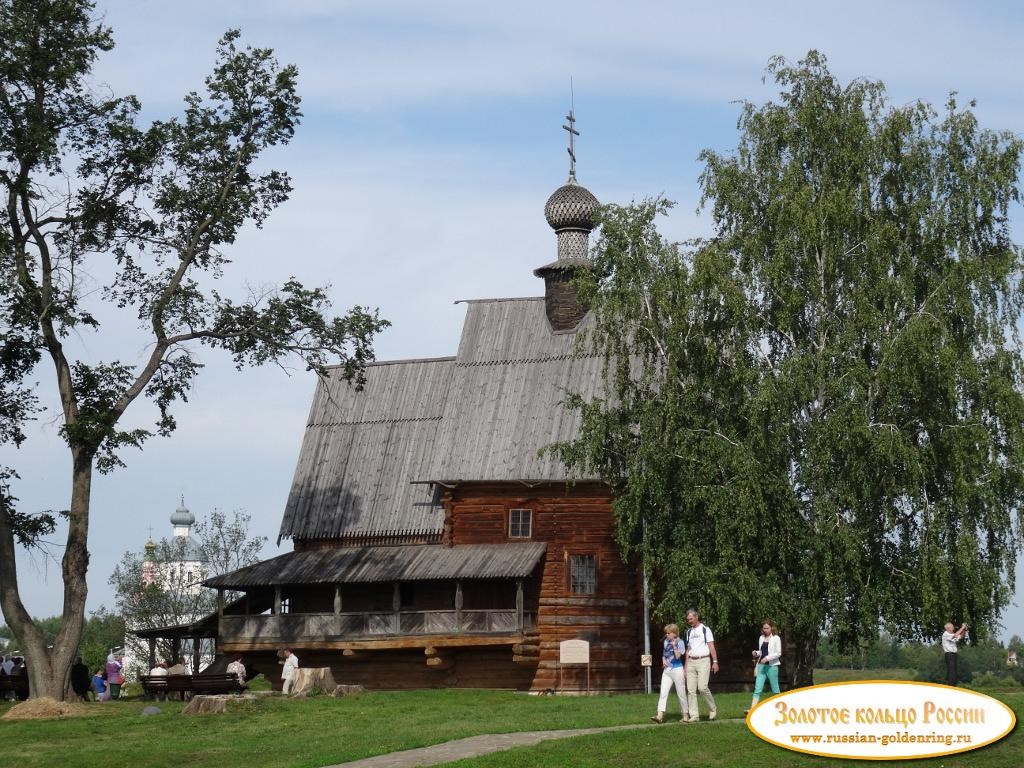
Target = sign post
(573,652)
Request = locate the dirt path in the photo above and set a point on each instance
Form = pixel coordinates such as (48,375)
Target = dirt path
(472,747)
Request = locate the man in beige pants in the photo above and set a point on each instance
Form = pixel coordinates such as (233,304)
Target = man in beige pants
(701,663)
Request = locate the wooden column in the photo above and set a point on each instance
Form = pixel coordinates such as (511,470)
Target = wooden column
(220,603)
(396,607)
(519,604)
(152,653)
(176,649)
(337,608)
(197,654)
(277,601)
(458,606)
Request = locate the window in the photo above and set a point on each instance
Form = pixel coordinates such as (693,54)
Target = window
(520,523)
(583,574)
(286,605)
(407,595)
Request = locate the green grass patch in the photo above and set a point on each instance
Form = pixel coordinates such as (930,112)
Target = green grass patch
(322,731)
(318,731)
(722,745)
(846,675)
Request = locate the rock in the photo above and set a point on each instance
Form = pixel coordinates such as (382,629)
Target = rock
(348,690)
(149,711)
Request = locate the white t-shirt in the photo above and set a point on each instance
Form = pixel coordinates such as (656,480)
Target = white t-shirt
(158,672)
(697,642)
(290,665)
(949,641)
(237,669)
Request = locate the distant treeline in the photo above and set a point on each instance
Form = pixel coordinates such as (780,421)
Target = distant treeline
(981,664)
(103,632)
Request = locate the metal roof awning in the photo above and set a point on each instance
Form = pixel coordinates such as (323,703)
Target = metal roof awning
(366,565)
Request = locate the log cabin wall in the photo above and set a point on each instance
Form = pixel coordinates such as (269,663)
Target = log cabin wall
(575,521)
(392,670)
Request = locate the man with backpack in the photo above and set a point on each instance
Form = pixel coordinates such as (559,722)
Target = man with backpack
(701,663)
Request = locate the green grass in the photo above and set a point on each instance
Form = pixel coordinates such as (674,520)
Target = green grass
(723,745)
(845,675)
(322,731)
(301,732)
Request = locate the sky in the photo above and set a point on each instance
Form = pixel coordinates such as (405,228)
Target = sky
(431,139)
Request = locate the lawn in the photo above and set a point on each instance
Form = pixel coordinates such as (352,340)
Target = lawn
(299,732)
(845,675)
(323,731)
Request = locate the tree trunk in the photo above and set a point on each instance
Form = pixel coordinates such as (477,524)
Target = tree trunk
(309,680)
(49,671)
(805,643)
(206,705)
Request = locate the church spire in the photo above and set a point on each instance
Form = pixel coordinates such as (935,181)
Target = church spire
(570,211)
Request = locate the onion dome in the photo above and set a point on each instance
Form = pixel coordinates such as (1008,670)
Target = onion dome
(181,517)
(571,207)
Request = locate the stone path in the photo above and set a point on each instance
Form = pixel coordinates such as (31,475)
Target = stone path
(475,746)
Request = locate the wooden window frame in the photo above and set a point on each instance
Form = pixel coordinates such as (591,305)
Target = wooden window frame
(529,523)
(570,556)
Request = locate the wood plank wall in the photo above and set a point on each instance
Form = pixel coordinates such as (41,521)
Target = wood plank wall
(573,520)
(407,669)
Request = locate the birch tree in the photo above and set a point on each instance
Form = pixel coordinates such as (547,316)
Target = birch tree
(817,413)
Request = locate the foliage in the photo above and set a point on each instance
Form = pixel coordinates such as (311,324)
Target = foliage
(216,545)
(103,632)
(49,627)
(981,664)
(817,414)
(104,214)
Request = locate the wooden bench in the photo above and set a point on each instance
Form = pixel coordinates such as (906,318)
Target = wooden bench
(16,684)
(158,686)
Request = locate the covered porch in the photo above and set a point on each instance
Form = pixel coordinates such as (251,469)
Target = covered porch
(416,596)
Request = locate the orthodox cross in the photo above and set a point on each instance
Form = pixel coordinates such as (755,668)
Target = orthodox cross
(573,133)
(151,532)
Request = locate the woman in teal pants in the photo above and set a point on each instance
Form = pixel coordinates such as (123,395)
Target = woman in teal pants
(767,659)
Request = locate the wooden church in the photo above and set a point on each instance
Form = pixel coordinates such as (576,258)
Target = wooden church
(433,545)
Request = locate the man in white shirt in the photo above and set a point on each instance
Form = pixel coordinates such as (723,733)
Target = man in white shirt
(291,663)
(160,670)
(701,661)
(952,652)
(237,668)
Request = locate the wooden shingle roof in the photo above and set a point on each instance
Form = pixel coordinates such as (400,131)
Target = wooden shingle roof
(510,377)
(362,449)
(368,458)
(364,565)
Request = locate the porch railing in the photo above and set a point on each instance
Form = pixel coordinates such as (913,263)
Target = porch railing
(287,627)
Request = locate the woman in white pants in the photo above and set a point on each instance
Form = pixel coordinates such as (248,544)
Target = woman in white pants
(672,653)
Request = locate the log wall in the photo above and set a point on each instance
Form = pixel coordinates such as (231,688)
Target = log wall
(486,667)
(573,521)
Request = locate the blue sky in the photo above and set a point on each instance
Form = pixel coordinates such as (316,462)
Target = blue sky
(431,140)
